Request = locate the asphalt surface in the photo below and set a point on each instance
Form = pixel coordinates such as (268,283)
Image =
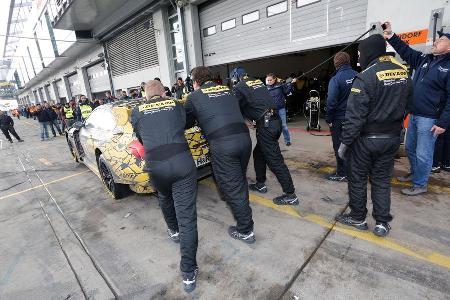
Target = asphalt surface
(62,236)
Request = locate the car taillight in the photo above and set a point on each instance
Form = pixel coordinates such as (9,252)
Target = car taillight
(137,149)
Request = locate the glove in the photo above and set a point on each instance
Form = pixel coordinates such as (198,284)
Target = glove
(341,151)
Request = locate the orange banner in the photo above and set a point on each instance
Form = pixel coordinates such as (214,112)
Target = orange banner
(414,37)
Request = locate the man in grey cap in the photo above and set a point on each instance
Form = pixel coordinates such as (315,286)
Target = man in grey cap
(429,108)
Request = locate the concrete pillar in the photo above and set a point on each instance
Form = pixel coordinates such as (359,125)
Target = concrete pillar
(67,87)
(162,37)
(47,94)
(55,91)
(192,36)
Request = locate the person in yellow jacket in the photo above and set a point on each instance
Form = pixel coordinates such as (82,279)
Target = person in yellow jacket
(84,108)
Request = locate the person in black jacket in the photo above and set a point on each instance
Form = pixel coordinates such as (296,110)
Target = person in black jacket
(279,91)
(159,123)
(259,107)
(219,116)
(43,119)
(429,108)
(7,127)
(53,119)
(338,92)
(371,130)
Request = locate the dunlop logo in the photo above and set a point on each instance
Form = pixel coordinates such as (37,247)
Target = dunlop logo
(254,82)
(355,90)
(392,74)
(215,89)
(159,104)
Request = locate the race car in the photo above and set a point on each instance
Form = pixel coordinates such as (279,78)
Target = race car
(106,144)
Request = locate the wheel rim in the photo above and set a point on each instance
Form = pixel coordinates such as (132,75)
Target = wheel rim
(107,177)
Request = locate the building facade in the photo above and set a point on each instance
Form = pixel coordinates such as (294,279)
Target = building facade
(93,46)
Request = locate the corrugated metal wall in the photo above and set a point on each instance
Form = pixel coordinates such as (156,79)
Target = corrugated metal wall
(134,49)
(318,24)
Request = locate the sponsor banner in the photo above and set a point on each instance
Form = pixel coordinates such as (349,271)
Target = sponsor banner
(414,37)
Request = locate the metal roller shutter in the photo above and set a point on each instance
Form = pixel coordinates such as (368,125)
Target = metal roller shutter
(74,85)
(51,92)
(98,78)
(61,89)
(300,25)
(133,50)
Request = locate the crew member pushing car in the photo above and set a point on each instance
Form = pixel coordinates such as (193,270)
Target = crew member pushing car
(219,116)
(257,105)
(172,169)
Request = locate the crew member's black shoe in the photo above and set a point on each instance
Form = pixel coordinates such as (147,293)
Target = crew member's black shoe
(173,235)
(21,141)
(436,169)
(190,280)
(11,141)
(249,238)
(258,187)
(336,177)
(381,229)
(346,219)
(286,199)
(446,168)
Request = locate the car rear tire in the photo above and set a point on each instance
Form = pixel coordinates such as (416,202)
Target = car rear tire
(115,190)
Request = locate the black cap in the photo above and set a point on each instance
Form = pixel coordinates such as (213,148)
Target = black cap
(441,33)
(370,49)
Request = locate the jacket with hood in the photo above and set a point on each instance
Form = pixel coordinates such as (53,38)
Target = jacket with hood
(379,94)
(338,92)
(431,82)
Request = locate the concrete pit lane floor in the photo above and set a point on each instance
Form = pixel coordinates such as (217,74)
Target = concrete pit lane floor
(62,237)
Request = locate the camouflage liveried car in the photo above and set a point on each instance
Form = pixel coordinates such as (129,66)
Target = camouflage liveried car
(106,144)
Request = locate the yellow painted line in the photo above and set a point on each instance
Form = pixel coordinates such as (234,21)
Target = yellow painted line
(388,243)
(327,169)
(42,185)
(45,162)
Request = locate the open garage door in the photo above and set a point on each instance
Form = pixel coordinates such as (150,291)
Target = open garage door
(98,79)
(234,30)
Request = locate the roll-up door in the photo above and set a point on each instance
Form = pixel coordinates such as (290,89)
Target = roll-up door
(134,49)
(98,78)
(61,89)
(234,30)
(51,93)
(74,85)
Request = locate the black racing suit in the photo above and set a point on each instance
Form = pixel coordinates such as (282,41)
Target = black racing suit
(159,124)
(7,127)
(219,116)
(256,103)
(372,126)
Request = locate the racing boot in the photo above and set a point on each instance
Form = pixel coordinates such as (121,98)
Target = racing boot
(190,280)
(381,229)
(173,235)
(258,187)
(286,199)
(346,219)
(248,238)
